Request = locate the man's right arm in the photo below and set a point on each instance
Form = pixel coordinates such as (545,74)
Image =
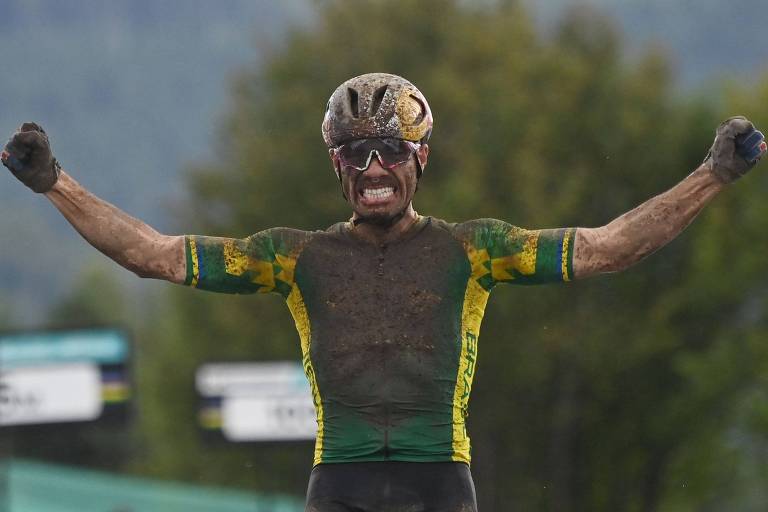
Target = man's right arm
(126,240)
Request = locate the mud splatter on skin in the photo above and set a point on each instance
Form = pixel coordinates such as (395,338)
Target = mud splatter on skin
(641,231)
(128,241)
(405,180)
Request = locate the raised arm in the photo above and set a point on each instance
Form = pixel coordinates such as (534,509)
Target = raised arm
(128,241)
(639,232)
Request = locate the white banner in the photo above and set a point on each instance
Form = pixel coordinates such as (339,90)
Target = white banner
(268,401)
(50,394)
(279,418)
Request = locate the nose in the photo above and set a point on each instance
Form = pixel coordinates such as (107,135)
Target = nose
(375,170)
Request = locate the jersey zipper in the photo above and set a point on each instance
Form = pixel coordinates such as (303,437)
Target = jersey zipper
(380,273)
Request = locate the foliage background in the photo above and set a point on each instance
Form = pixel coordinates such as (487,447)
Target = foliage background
(640,391)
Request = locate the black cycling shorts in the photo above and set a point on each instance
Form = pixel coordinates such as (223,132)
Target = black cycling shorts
(391,487)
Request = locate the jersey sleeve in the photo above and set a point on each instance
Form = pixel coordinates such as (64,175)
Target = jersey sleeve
(263,262)
(499,252)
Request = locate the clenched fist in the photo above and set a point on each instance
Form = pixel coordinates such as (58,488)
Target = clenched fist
(737,148)
(28,156)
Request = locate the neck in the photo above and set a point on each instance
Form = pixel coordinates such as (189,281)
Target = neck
(385,234)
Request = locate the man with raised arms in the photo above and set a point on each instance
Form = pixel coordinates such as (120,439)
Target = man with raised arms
(388,305)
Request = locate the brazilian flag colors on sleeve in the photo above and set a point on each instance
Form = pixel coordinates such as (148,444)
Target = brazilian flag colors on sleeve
(263,262)
(502,253)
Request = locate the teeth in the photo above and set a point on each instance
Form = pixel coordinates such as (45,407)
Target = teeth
(378,193)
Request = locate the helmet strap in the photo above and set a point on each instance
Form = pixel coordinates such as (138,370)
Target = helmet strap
(338,175)
(419,172)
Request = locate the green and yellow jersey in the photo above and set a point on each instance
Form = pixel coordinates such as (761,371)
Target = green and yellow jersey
(388,333)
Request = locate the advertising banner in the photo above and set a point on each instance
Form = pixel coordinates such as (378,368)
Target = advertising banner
(62,376)
(256,401)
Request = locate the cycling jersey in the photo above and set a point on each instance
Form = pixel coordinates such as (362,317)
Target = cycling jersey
(388,332)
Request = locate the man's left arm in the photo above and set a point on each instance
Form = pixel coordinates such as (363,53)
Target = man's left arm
(636,234)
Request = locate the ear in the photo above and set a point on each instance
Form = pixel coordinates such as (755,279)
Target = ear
(423,154)
(335,161)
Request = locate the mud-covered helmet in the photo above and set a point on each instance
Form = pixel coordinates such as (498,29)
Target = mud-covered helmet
(376,105)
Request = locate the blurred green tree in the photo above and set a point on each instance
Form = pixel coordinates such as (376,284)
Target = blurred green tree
(719,311)
(614,394)
(96,299)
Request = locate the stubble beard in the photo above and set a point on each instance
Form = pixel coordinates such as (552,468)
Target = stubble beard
(382,220)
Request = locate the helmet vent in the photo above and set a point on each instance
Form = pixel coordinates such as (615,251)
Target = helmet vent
(378,97)
(353,102)
(422,110)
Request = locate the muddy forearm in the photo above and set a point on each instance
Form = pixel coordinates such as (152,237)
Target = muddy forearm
(641,231)
(128,241)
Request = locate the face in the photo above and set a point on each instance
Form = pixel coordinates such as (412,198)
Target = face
(378,194)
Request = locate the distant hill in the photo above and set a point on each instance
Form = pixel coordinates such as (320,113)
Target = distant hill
(706,39)
(132,91)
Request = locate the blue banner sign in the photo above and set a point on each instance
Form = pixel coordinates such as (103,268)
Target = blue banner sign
(101,347)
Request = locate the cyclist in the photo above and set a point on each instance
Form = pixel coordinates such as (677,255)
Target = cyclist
(388,305)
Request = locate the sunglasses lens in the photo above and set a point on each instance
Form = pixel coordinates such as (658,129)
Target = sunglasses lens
(391,152)
(395,151)
(355,154)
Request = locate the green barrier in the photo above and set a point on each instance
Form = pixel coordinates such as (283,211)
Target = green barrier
(36,487)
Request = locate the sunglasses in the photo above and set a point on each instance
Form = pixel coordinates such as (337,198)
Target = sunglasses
(390,153)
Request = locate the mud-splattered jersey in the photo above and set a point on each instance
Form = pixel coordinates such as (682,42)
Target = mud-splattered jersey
(388,333)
